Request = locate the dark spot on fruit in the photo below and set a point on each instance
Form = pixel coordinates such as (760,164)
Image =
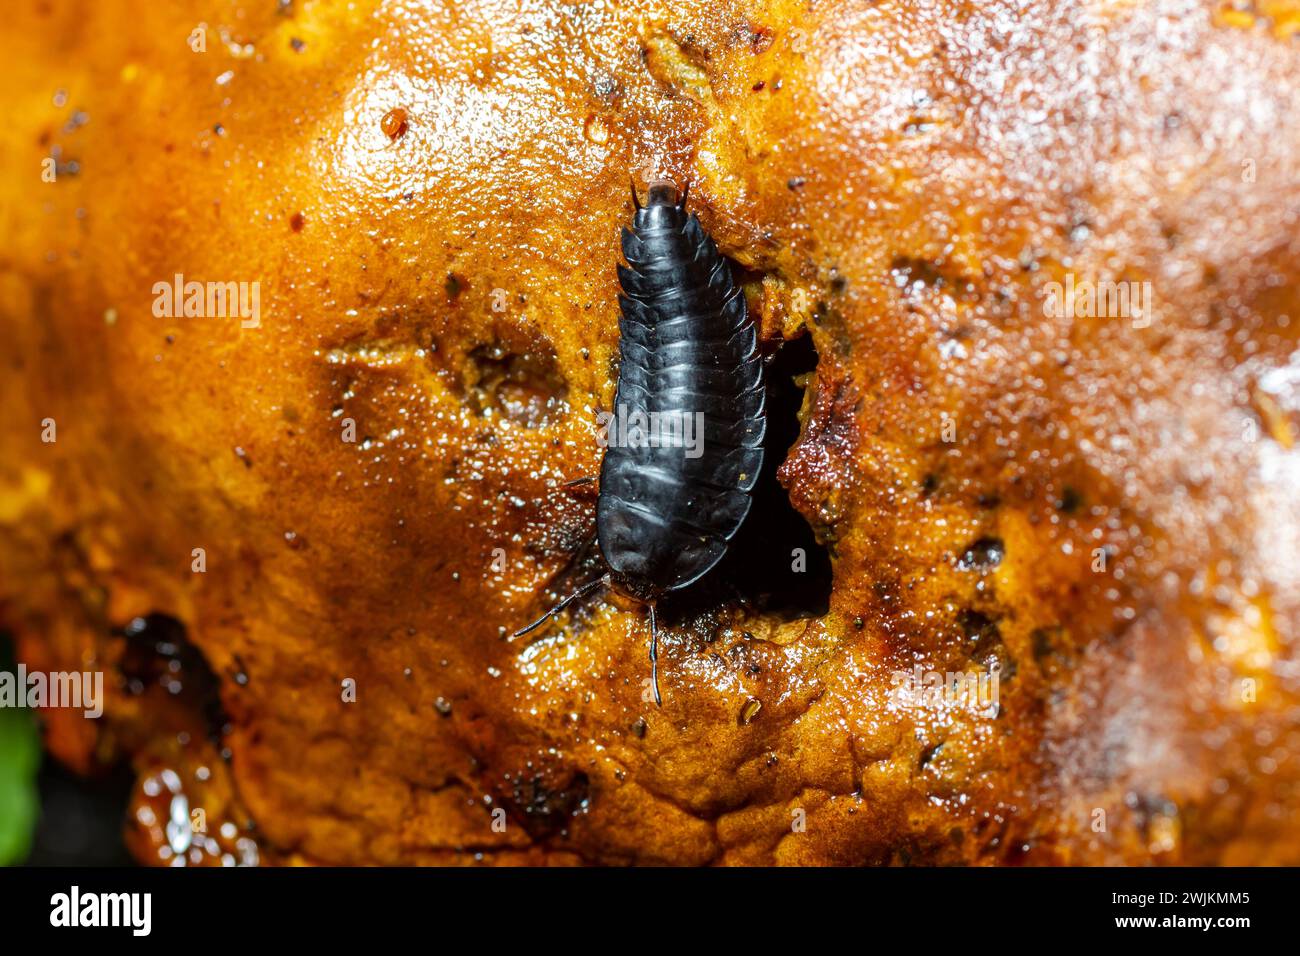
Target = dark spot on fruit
(545,802)
(524,386)
(984,555)
(980,631)
(761,39)
(928,754)
(453,286)
(159,659)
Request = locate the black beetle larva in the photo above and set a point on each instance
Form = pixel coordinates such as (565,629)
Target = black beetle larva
(667,510)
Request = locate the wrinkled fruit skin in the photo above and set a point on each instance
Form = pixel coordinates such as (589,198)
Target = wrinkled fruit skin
(1102,508)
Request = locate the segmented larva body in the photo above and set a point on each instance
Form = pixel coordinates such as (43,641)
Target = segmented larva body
(664,517)
(666,511)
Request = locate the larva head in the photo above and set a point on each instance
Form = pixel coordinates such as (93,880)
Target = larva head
(662,209)
(661,192)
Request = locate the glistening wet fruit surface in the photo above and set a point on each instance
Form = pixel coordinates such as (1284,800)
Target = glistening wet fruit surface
(1099,507)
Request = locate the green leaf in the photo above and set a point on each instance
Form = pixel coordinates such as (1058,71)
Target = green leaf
(20,757)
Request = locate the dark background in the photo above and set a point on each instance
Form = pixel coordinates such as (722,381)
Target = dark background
(80,821)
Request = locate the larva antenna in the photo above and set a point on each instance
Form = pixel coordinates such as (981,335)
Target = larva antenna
(654,657)
(636,201)
(686,191)
(582,591)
